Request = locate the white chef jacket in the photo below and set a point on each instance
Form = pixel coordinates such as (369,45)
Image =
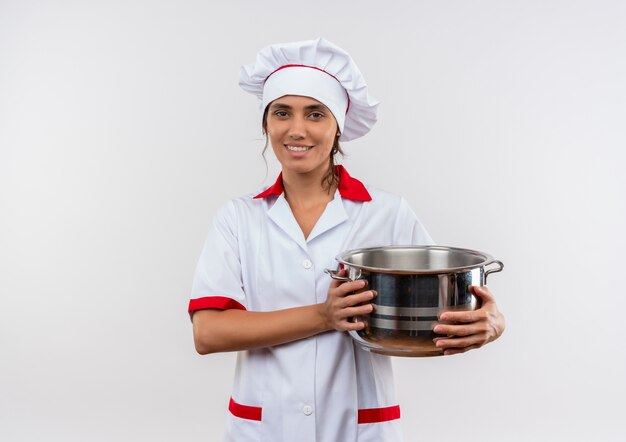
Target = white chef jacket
(324,388)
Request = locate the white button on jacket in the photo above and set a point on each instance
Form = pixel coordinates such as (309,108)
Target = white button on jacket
(253,260)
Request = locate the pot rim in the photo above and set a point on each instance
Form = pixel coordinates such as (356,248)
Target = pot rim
(486,260)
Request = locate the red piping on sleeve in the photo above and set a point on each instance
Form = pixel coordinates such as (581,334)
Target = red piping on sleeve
(373,415)
(216,302)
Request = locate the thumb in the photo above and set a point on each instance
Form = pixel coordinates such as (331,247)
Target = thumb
(483,293)
(336,283)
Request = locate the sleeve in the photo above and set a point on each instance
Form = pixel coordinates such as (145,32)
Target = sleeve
(218,282)
(409,229)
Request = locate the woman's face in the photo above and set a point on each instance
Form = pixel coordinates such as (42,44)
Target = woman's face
(302,132)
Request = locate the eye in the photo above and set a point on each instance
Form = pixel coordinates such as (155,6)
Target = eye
(281,114)
(316,115)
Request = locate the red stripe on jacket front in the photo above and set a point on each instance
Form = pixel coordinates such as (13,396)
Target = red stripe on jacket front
(245,411)
(216,302)
(366,416)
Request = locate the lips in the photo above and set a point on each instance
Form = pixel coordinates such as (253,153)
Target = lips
(293,148)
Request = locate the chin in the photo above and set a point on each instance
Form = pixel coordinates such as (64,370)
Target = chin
(302,168)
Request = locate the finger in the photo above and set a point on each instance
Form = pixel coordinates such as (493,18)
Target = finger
(350,287)
(334,283)
(361,310)
(454,351)
(445,343)
(483,293)
(466,316)
(358,298)
(346,325)
(461,330)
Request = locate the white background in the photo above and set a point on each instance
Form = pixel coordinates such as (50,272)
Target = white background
(122,129)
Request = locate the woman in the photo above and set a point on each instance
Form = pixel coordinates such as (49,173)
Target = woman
(260,288)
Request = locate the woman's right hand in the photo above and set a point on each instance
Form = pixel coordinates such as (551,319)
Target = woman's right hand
(344,302)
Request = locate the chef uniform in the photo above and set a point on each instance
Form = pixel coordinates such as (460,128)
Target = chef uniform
(323,388)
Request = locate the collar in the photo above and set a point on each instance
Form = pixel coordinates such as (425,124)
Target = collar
(348,187)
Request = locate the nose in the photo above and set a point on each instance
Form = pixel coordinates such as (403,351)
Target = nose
(297,129)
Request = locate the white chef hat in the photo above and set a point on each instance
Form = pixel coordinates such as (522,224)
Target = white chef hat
(316,69)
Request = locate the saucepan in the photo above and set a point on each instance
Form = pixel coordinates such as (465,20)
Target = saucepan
(415,284)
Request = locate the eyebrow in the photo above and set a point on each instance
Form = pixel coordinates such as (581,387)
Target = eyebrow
(308,108)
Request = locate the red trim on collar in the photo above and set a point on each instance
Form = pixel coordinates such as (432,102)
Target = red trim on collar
(349,188)
(274,189)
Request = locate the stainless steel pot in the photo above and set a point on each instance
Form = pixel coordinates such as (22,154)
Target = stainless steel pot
(415,284)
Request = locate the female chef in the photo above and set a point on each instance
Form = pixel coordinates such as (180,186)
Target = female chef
(260,287)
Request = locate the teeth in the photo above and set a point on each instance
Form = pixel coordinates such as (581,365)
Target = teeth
(298,148)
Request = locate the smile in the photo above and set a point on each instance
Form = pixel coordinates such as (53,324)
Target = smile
(298,148)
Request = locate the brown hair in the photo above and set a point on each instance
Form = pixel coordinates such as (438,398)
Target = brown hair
(331,178)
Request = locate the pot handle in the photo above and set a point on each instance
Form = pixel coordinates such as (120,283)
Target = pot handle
(494,270)
(333,274)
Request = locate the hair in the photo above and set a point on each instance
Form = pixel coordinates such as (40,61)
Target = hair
(331,178)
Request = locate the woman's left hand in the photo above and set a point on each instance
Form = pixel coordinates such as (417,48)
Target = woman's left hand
(470,329)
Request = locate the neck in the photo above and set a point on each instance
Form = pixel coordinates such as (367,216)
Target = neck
(306,189)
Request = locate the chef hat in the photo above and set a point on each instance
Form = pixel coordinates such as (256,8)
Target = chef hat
(316,69)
